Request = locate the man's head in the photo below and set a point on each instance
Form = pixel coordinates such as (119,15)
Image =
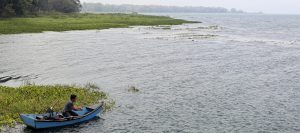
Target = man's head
(73,98)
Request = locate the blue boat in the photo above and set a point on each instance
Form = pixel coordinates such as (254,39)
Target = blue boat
(35,121)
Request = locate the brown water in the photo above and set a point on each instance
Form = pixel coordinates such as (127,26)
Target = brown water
(232,73)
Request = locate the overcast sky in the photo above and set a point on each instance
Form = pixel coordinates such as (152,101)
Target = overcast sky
(266,6)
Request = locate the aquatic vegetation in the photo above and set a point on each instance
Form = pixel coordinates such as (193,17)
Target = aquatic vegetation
(133,89)
(14,77)
(196,36)
(37,98)
(203,36)
(91,86)
(162,27)
(80,21)
(212,27)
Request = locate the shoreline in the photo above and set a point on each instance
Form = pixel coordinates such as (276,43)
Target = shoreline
(82,21)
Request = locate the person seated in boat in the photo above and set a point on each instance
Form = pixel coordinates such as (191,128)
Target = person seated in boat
(69,107)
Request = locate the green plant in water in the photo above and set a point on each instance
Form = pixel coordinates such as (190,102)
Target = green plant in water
(35,99)
(80,21)
(133,89)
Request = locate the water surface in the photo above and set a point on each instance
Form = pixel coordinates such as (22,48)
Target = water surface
(231,73)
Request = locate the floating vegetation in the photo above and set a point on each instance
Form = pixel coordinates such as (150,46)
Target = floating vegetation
(202,36)
(162,27)
(91,86)
(133,89)
(197,28)
(213,27)
(35,99)
(16,77)
(129,106)
(196,36)
(184,36)
(166,28)
(81,21)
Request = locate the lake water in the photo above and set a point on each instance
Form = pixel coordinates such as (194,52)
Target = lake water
(231,73)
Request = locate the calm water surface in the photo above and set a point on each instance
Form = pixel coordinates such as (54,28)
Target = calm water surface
(231,73)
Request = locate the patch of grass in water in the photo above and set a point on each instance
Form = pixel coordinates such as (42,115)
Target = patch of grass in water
(162,27)
(196,36)
(202,36)
(133,89)
(81,21)
(212,27)
(35,99)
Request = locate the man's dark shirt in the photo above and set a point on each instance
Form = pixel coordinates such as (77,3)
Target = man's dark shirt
(69,106)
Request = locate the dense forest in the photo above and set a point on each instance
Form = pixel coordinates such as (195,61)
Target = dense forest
(99,7)
(9,8)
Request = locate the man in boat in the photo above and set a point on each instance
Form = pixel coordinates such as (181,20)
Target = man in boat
(69,107)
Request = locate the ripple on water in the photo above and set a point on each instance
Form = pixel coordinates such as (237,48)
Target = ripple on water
(242,80)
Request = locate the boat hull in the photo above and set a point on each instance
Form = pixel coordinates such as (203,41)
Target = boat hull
(29,120)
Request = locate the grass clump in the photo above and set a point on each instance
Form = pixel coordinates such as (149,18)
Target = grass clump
(81,21)
(35,99)
(133,89)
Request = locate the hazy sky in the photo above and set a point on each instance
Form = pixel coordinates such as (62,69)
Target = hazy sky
(266,6)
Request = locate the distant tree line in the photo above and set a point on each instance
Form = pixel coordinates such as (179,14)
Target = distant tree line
(24,7)
(99,7)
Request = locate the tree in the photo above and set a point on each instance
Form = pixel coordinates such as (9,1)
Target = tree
(19,7)
(16,7)
(23,7)
(65,6)
(6,8)
(42,5)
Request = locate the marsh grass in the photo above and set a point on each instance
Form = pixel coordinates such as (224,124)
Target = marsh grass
(36,99)
(80,21)
(133,89)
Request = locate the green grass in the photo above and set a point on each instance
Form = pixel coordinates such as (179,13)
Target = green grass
(36,99)
(80,21)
